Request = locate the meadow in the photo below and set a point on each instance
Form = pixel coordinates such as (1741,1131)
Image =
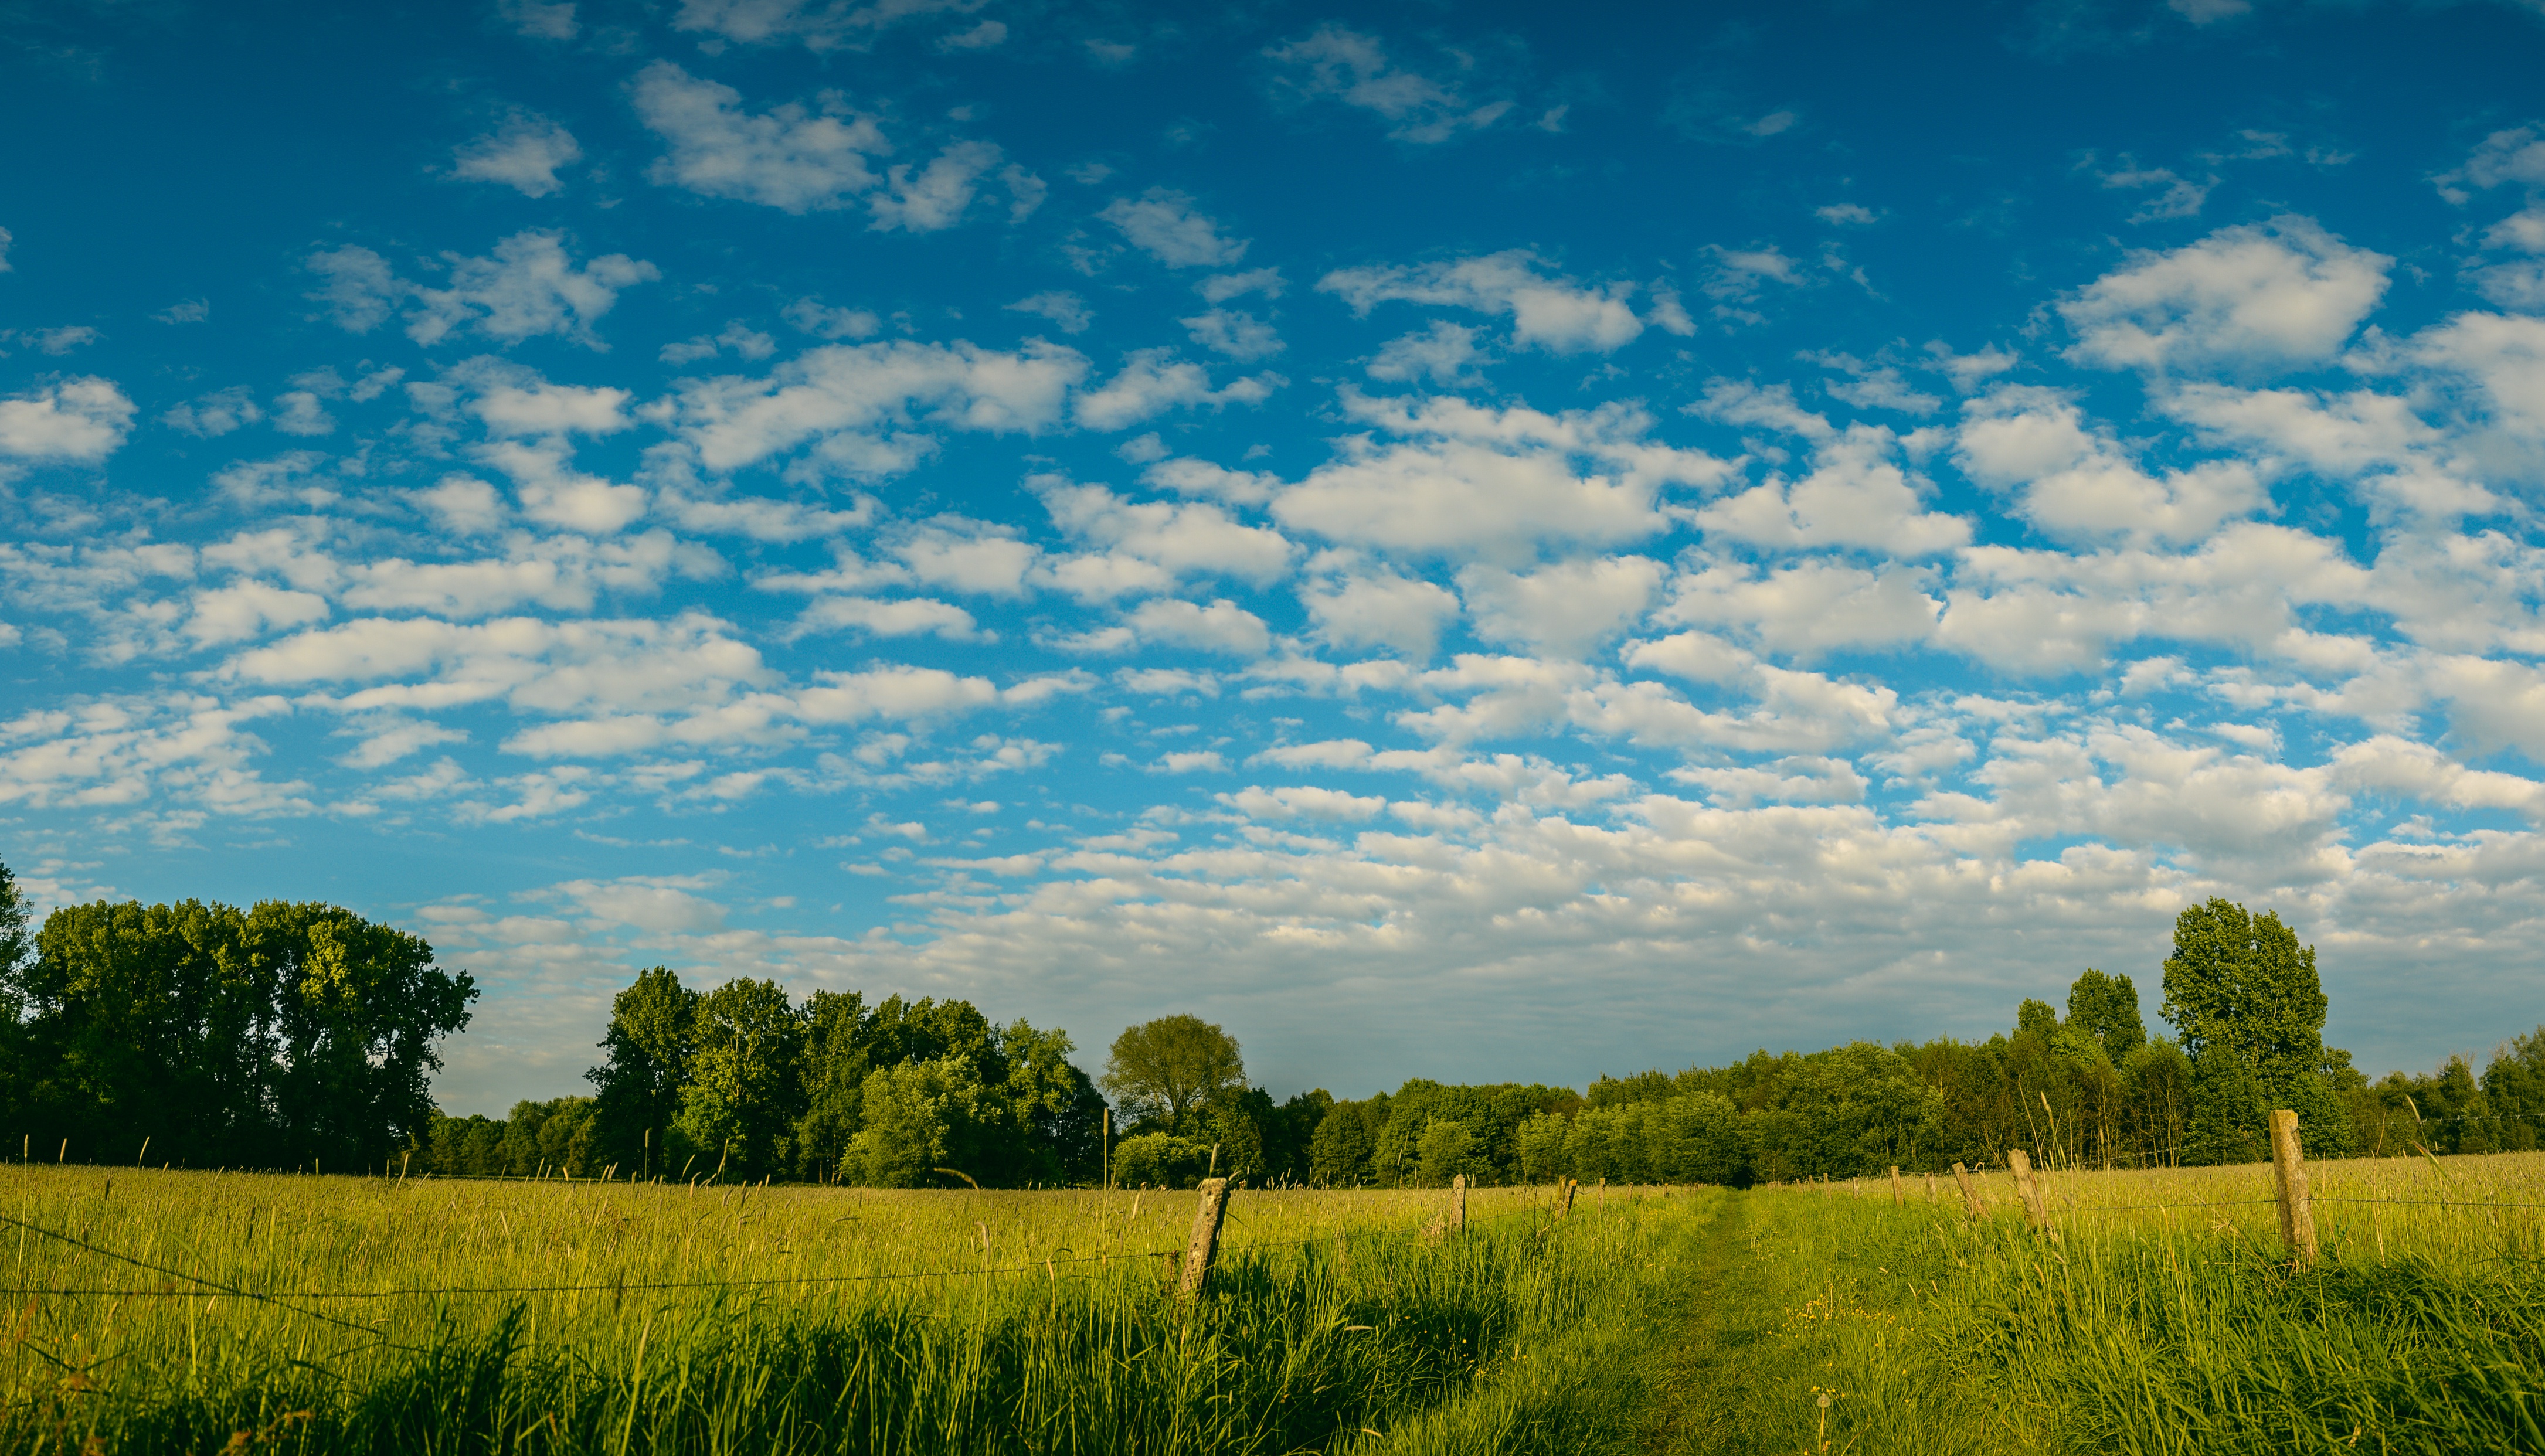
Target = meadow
(2162,1313)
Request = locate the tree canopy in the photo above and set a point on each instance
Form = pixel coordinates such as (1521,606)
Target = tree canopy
(282,1036)
(1169,1068)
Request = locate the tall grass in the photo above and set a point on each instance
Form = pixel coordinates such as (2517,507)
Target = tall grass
(2166,1317)
(666,1318)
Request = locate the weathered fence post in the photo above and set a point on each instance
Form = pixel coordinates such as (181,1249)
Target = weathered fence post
(2297,1215)
(2035,1212)
(1970,1192)
(1856,1187)
(1930,1188)
(1458,1204)
(1565,1206)
(1897,1197)
(1205,1235)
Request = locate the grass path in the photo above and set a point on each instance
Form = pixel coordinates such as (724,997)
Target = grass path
(1728,1309)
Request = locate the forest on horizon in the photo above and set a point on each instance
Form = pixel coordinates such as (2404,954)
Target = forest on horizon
(302,1036)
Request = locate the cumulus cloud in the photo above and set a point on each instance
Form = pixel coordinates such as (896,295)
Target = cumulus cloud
(530,287)
(1354,604)
(1561,610)
(816,25)
(2077,484)
(1553,313)
(864,404)
(934,197)
(1152,381)
(1234,335)
(1343,65)
(76,421)
(2282,294)
(1167,227)
(216,414)
(1443,477)
(1059,305)
(523,154)
(788,158)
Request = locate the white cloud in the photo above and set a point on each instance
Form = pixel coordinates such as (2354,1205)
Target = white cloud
(1807,609)
(1061,306)
(82,420)
(1354,605)
(1164,225)
(934,199)
(544,20)
(463,505)
(2076,484)
(1458,480)
(552,490)
(1348,67)
(1551,313)
(1153,381)
(902,617)
(518,403)
(788,158)
(530,288)
(1845,214)
(1442,354)
(2286,293)
(359,290)
(216,414)
(1223,626)
(1143,546)
(523,154)
(1561,610)
(297,412)
(1264,280)
(1234,334)
(1855,495)
(864,402)
(246,610)
(1305,802)
(816,25)
(982,37)
(738,337)
(2514,154)
(191,312)
(5,238)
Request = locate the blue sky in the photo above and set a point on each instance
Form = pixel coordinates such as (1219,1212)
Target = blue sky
(1451,542)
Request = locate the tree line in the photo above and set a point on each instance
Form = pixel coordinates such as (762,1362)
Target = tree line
(303,1035)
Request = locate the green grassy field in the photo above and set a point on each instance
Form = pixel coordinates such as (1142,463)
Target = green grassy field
(468,1317)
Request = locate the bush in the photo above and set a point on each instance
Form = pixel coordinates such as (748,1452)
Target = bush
(1161,1160)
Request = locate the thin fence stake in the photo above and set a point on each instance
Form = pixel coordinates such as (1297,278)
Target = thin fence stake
(1458,1204)
(1205,1235)
(1566,1205)
(1930,1188)
(2288,1161)
(1970,1192)
(1897,1197)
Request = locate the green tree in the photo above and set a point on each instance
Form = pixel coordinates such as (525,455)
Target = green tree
(2514,1083)
(1159,1160)
(1051,1113)
(918,1117)
(836,1063)
(745,1092)
(1168,1069)
(2105,1010)
(1540,1142)
(1444,1150)
(1338,1155)
(2251,1009)
(645,1064)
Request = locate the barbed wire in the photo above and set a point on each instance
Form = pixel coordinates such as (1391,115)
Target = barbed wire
(622,1286)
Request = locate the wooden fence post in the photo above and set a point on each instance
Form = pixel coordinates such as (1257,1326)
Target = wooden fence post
(1897,1197)
(2035,1212)
(1205,1235)
(1458,1204)
(1856,1187)
(1565,1204)
(1970,1192)
(2297,1215)
(1930,1187)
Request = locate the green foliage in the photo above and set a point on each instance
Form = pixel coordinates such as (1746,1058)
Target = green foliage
(1166,1069)
(1444,1150)
(921,1116)
(1160,1160)
(647,1053)
(280,1036)
(2250,1010)
(2105,1011)
(1339,1155)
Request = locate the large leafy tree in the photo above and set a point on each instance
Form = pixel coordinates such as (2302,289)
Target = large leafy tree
(2105,1010)
(746,1089)
(289,1034)
(653,1037)
(1169,1069)
(2249,1007)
